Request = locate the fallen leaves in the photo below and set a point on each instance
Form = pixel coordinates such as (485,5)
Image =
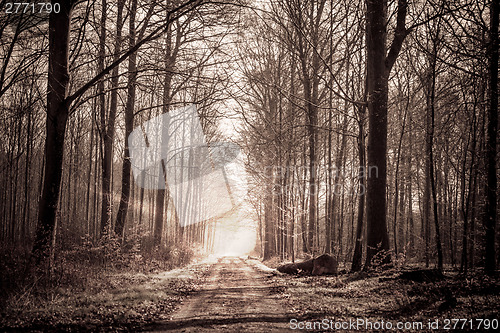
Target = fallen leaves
(113,301)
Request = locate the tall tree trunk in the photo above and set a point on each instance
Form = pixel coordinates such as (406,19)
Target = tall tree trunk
(430,144)
(358,247)
(396,184)
(162,195)
(329,190)
(303,224)
(491,146)
(432,178)
(309,61)
(105,156)
(340,165)
(378,68)
(312,119)
(129,123)
(27,197)
(89,177)
(109,126)
(14,180)
(57,116)
(268,224)
(426,200)
(411,227)
(377,84)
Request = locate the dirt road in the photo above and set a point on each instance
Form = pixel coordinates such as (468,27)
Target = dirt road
(235,298)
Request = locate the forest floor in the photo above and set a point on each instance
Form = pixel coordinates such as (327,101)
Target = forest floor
(233,294)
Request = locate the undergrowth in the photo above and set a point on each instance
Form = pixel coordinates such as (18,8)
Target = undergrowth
(82,273)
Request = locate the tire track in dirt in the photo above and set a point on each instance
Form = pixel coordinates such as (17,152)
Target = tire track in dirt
(235,298)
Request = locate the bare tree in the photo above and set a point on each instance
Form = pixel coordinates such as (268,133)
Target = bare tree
(379,66)
(491,145)
(58,105)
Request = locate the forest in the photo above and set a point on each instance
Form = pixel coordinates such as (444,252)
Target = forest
(287,129)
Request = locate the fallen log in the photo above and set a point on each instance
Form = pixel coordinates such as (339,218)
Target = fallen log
(422,275)
(323,265)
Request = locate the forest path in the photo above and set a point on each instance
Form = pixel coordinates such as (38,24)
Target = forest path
(235,298)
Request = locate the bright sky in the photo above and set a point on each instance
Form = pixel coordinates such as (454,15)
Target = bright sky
(236,233)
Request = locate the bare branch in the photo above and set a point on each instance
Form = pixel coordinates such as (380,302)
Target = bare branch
(399,35)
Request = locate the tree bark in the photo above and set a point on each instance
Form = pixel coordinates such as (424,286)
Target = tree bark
(491,145)
(105,134)
(430,143)
(170,58)
(109,126)
(378,68)
(396,184)
(358,247)
(377,84)
(268,224)
(58,104)
(57,116)
(129,124)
